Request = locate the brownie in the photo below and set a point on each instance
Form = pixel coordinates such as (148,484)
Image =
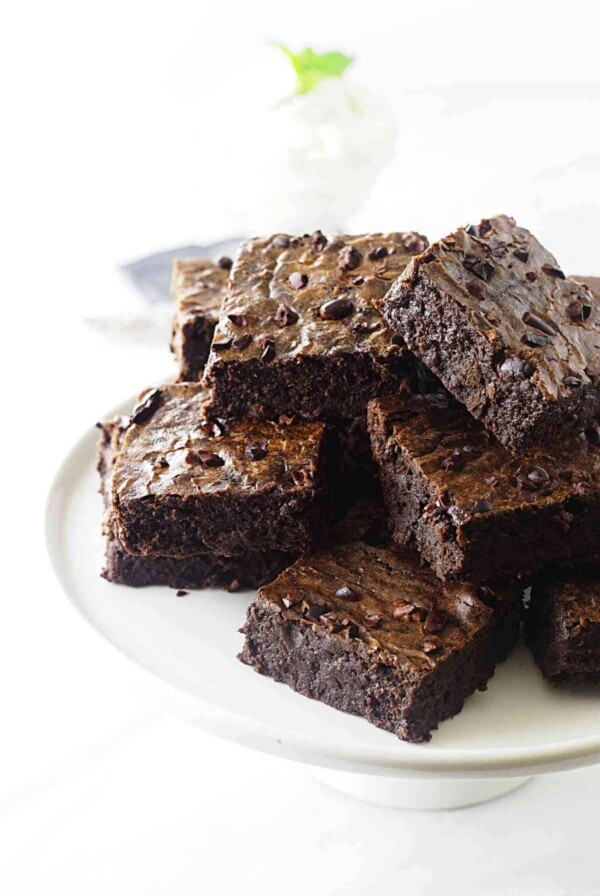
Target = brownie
(475,510)
(196,571)
(197,288)
(182,486)
(490,312)
(299,334)
(562,625)
(365,628)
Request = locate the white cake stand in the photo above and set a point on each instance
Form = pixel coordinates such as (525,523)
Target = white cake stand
(185,649)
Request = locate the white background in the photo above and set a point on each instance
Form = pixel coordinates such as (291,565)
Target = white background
(124,129)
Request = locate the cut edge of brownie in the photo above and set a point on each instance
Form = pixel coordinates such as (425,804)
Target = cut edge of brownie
(310,387)
(518,415)
(198,571)
(342,674)
(565,650)
(509,544)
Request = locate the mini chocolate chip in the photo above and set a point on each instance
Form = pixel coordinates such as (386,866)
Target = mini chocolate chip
(336,309)
(376,254)
(572,381)
(593,436)
(397,340)
(521,254)
(402,608)
(484,227)
(531,276)
(535,340)
(182,593)
(432,645)
(435,621)
(268,347)
(349,258)
(319,239)
(315,611)
(553,272)
(146,408)
(238,320)
(208,458)
(516,367)
(480,267)
(256,451)
(414,243)
(577,311)
(532,320)
(285,316)
(538,475)
(242,342)
(162,462)
(358,281)
(221,345)
(475,290)
(282,241)
(346,593)
(482,505)
(374,620)
(471,229)
(297,280)
(225,262)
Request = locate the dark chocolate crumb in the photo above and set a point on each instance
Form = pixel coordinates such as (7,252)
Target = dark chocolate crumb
(182,593)
(208,458)
(521,254)
(268,347)
(531,276)
(221,345)
(225,262)
(553,272)
(319,239)
(414,243)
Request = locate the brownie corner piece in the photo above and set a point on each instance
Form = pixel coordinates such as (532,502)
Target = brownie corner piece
(197,289)
(366,629)
(474,510)
(299,333)
(491,313)
(562,625)
(182,486)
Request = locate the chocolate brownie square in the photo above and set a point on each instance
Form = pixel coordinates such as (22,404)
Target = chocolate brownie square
(196,571)
(299,334)
(365,628)
(181,486)
(490,312)
(197,288)
(562,625)
(474,510)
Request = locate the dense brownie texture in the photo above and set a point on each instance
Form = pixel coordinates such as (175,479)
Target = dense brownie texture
(562,625)
(197,571)
(181,486)
(489,311)
(299,333)
(197,288)
(474,510)
(366,629)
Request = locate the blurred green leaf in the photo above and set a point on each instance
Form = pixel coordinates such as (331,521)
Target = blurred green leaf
(311,68)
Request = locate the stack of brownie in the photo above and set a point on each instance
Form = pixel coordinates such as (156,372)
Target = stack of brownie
(394,440)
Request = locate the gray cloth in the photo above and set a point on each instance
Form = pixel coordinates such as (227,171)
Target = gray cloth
(151,275)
